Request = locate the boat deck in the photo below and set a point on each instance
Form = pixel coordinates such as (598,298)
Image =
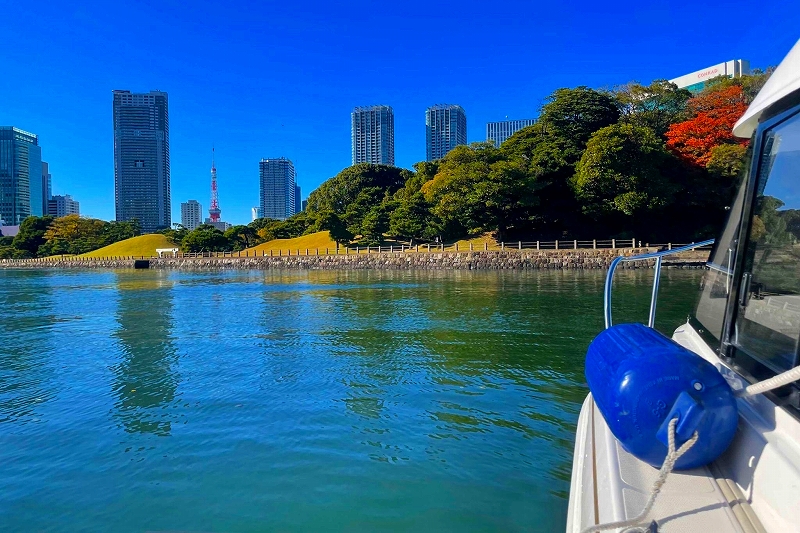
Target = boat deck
(615,486)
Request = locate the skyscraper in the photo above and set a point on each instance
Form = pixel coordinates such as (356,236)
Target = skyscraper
(277,178)
(372,132)
(47,186)
(498,132)
(255,213)
(445,128)
(298,203)
(141,159)
(61,206)
(191,214)
(21,192)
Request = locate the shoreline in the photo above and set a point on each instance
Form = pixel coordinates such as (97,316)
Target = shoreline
(580,259)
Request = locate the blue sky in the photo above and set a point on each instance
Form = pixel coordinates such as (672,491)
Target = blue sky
(261,79)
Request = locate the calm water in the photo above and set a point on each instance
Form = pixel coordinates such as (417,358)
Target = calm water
(302,401)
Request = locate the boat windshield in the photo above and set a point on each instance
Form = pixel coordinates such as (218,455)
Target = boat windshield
(717,281)
(767,326)
(765,338)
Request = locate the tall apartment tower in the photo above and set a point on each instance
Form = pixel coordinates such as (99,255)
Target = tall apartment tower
(191,214)
(298,202)
(141,159)
(445,128)
(21,193)
(277,179)
(61,206)
(372,132)
(498,132)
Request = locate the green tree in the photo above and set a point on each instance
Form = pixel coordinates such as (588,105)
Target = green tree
(539,152)
(653,106)
(241,237)
(625,170)
(572,115)
(330,221)
(31,235)
(477,190)
(374,225)
(337,193)
(727,161)
(360,206)
(412,219)
(205,238)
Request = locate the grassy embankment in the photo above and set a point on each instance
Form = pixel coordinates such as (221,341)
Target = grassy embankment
(146,245)
(143,245)
(322,240)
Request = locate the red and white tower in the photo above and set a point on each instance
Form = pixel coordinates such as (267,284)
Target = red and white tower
(214,211)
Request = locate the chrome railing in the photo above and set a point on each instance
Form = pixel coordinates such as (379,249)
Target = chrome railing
(658,256)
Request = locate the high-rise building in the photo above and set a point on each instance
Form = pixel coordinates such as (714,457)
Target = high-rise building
(21,192)
(191,214)
(255,213)
(47,186)
(696,81)
(61,206)
(304,205)
(277,178)
(298,203)
(141,159)
(445,128)
(372,132)
(498,132)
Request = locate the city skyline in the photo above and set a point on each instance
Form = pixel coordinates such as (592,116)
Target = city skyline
(218,97)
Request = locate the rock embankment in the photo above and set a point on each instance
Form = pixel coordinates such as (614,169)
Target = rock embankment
(476,260)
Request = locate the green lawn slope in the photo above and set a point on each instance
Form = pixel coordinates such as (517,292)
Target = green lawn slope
(320,239)
(143,245)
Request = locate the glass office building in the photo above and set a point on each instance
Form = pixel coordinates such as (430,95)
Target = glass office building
(278,188)
(498,132)
(372,133)
(445,128)
(141,159)
(21,191)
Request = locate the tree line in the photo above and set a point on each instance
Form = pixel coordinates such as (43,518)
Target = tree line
(647,161)
(47,235)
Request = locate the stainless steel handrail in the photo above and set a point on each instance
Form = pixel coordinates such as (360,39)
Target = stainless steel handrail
(656,280)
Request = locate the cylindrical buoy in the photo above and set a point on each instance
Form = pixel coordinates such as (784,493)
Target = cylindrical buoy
(640,380)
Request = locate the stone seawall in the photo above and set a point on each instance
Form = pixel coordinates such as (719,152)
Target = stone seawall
(479,260)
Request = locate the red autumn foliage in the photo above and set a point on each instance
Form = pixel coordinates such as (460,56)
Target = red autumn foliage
(713,115)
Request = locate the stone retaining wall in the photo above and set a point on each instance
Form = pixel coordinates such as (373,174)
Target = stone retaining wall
(477,260)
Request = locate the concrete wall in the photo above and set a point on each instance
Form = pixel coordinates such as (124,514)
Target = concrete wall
(481,260)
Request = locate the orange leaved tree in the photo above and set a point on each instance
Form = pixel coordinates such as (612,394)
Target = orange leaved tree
(713,112)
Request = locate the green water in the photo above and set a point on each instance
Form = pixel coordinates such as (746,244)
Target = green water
(298,401)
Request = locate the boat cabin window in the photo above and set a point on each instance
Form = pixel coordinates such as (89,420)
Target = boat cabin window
(717,282)
(767,324)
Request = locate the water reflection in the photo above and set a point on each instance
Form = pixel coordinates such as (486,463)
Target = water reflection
(27,316)
(146,379)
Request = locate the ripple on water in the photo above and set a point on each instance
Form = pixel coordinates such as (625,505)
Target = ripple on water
(295,401)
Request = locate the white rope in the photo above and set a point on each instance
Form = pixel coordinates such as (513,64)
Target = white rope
(669,463)
(772,383)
